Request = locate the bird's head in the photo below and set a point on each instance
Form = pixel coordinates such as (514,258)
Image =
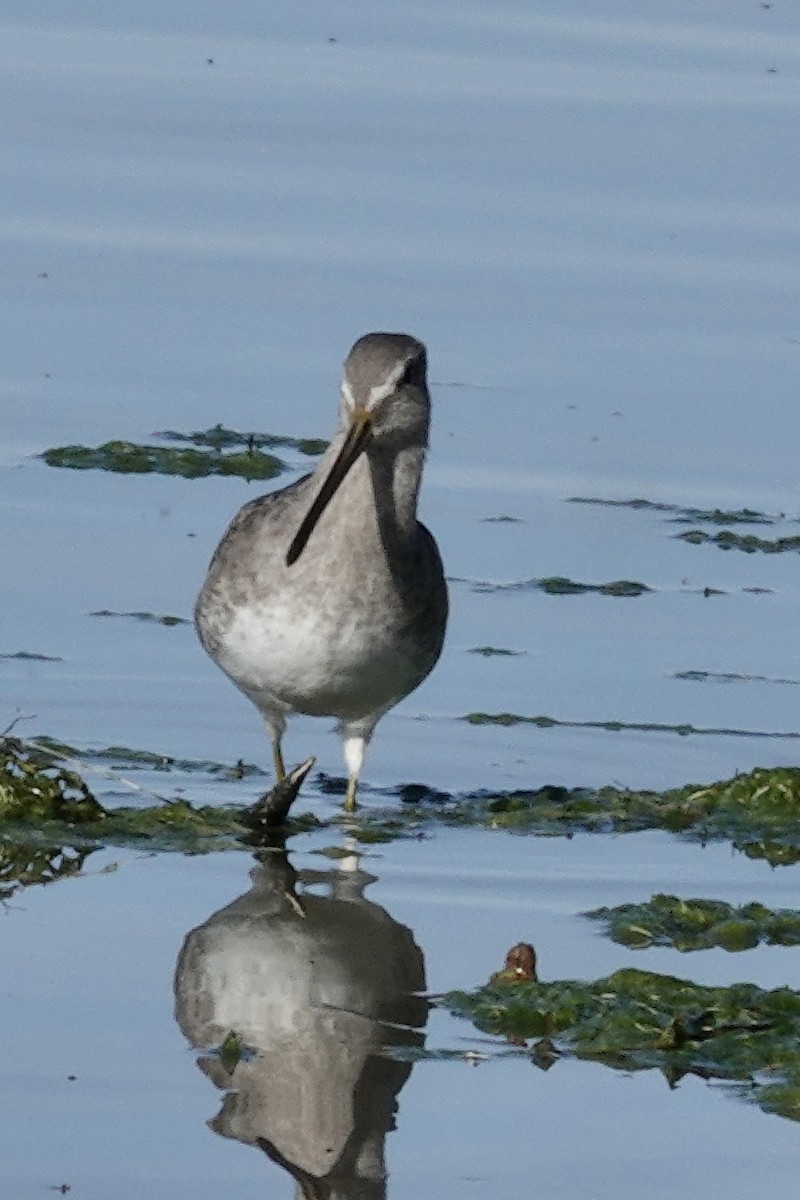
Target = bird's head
(384,401)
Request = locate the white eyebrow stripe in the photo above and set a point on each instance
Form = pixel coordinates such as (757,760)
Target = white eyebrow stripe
(381,390)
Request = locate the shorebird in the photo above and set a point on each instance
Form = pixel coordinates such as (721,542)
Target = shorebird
(328,597)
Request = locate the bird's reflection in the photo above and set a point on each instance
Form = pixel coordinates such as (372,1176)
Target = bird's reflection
(317,987)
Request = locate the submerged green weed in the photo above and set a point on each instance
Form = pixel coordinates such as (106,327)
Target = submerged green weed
(710,516)
(31,656)
(559,585)
(147,618)
(612,726)
(221,438)
(495,652)
(727,539)
(730,677)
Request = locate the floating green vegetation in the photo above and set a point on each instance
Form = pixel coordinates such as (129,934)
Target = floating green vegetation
(420,793)
(729,677)
(758,812)
(132,458)
(634,1020)
(48,815)
(47,804)
(147,617)
(35,788)
(721,516)
(558,585)
(726,539)
(221,438)
(712,591)
(495,652)
(651,505)
(43,798)
(215,451)
(710,516)
(545,722)
(174,825)
(27,656)
(698,924)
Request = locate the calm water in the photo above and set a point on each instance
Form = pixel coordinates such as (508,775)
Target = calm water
(590,215)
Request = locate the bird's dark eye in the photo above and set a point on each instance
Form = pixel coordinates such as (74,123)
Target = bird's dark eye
(413,373)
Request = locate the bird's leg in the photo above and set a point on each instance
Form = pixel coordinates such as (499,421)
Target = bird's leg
(277,755)
(276,727)
(354,743)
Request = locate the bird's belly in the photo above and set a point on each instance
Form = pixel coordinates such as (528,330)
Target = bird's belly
(294,662)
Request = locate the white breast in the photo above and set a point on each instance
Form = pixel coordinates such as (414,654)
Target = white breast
(290,659)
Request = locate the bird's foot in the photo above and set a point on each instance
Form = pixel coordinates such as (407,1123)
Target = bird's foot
(272,809)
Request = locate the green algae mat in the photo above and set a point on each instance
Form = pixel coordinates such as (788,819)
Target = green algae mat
(724,539)
(697,924)
(43,789)
(759,812)
(745,1038)
(215,451)
(688,516)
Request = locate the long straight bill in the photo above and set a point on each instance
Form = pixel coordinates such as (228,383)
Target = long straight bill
(356,439)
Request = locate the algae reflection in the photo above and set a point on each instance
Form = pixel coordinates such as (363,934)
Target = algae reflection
(294,1000)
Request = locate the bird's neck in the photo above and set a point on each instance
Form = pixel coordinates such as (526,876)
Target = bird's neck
(396,475)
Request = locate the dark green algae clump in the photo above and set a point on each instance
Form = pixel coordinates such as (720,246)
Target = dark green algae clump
(36,788)
(215,451)
(680,514)
(50,821)
(633,1020)
(758,812)
(728,539)
(44,801)
(132,458)
(559,585)
(698,924)
(40,788)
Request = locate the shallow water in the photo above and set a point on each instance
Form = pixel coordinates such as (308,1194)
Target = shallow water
(90,967)
(590,217)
